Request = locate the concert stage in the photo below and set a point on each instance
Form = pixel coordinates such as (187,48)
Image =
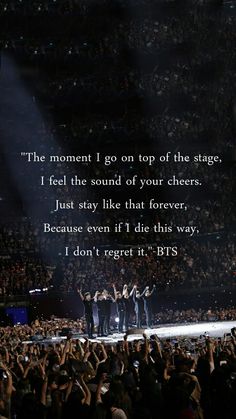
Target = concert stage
(213,329)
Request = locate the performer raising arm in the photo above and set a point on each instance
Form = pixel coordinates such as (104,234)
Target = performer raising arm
(128,306)
(147,300)
(119,299)
(109,300)
(138,305)
(99,299)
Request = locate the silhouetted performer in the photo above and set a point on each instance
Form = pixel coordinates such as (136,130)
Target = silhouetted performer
(99,299)
(128,306)
(120,304)
(88,311)
(108,303)
(147,302)
(138,305)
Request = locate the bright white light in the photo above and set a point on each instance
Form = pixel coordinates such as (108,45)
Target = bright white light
(117,319)
(214,329)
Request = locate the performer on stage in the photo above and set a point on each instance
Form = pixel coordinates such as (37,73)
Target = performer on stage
(138,305)
(147,301)
(128,306)
(99,299)
(120,304)
(108,300)
(88,311)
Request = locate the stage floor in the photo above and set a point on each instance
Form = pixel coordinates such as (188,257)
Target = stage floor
(213,329)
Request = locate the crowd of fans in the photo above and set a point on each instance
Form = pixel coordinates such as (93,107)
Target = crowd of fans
(194,316)
(200,264)
(164,378)
(177,62)
(156,78)
(58,326)
(136,76)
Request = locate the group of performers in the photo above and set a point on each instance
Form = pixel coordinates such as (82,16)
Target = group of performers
(125,303)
